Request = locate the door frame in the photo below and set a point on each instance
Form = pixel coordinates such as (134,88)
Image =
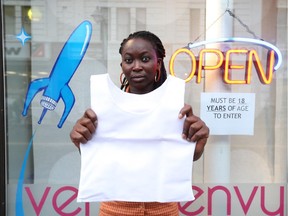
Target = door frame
(3,155)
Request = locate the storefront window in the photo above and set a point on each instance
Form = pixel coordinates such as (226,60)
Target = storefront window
(238,174)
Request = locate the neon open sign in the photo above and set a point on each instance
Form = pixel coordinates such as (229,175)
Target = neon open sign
(225,62)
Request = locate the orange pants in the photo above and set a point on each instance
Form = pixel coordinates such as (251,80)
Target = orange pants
(117,208)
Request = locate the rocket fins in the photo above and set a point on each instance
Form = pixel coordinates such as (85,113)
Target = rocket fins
(69,100)
(34,87)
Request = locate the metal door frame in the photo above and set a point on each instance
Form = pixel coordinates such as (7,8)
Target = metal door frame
(3,155)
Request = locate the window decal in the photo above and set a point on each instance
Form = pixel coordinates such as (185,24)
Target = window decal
(23,36)
(56,85)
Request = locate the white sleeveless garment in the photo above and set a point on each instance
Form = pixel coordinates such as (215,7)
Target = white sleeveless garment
(137,152)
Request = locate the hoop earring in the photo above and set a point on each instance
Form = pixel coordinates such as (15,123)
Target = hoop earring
(158,75)
(122,80)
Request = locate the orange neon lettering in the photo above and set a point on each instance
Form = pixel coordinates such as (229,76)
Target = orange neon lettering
(210,67)
(264,78)
(252,57)
(193,61)
(229,66)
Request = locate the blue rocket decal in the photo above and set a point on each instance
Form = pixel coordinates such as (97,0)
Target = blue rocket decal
(56,85)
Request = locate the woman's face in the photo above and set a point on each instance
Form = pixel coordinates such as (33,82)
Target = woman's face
(140,65)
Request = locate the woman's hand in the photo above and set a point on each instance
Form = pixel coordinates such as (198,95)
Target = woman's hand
(194,130)
(84,128)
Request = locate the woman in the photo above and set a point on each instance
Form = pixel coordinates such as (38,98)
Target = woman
(143,70)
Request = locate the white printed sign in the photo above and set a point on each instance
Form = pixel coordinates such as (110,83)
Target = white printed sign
(228,113)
